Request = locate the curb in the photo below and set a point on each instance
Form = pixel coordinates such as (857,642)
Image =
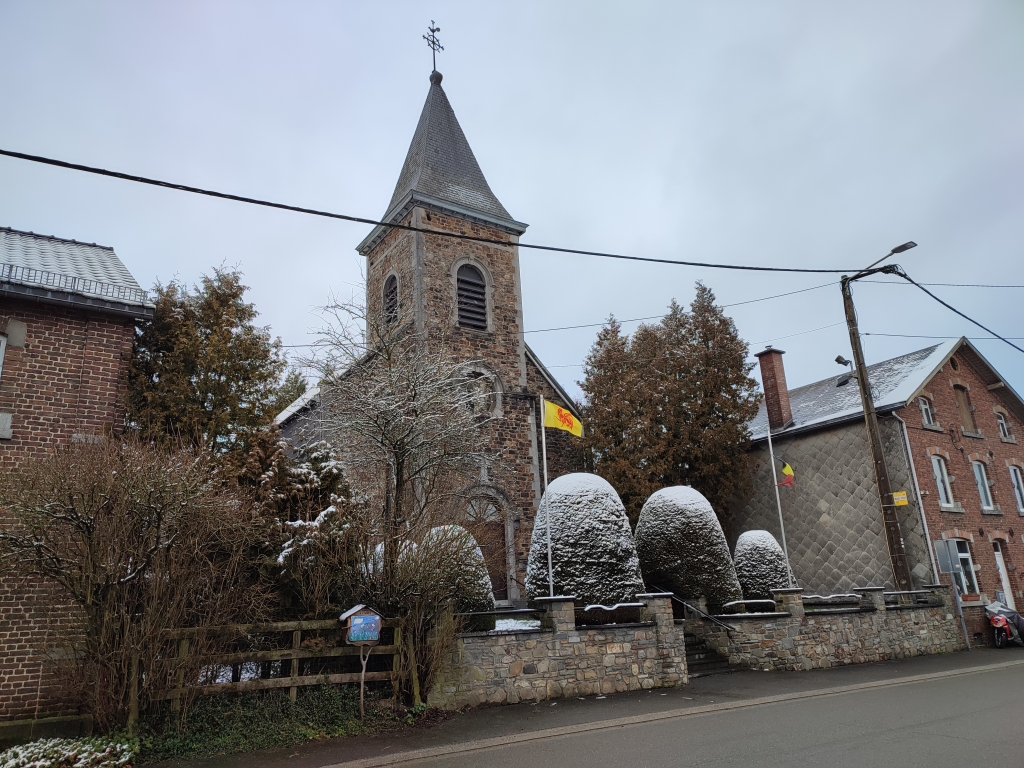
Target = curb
(621,722)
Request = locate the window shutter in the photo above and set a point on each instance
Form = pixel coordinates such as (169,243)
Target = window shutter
(472,297)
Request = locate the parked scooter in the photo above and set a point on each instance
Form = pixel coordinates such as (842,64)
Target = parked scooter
(1006,623)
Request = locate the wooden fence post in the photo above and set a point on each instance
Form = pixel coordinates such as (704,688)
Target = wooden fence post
(180,676)
(133,695)
(293,692)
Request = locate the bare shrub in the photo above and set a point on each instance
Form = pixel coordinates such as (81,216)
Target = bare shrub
(141,540)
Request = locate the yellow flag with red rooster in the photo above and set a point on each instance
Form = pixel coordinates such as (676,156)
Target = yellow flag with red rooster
(560,418)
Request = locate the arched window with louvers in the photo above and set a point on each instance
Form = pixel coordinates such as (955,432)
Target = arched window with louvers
(471,289)
(390,300)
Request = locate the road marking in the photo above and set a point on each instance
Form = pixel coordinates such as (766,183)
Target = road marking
(620,722)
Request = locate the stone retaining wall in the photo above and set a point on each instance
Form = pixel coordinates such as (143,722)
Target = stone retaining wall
(793,638)
(560,660)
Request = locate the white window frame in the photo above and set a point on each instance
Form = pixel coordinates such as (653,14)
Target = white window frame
(981,480)
(942,481)
(1004,426)
(3,351)
(966,578)
(1017,481)
(927,413)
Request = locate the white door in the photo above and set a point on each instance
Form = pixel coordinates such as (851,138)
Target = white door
(1004,577)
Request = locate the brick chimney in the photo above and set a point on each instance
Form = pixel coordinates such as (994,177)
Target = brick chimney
(776,393)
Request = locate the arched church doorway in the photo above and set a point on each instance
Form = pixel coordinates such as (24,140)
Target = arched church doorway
(485,519)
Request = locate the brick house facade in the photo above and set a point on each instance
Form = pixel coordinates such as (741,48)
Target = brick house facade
(474,290)
(67,320)
(941,404)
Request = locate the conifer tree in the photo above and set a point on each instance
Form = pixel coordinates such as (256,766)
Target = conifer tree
(202,371)
(670,405)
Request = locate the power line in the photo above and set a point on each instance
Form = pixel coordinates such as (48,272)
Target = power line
(947,285)
(919,336)
(896,270)
(407,227)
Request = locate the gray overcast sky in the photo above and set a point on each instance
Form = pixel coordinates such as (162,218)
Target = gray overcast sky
(783,133)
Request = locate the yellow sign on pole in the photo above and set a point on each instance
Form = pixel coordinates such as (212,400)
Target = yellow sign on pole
(899,498)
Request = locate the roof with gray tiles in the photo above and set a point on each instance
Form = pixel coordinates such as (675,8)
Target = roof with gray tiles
(67,265)
(893,383)
(440,163)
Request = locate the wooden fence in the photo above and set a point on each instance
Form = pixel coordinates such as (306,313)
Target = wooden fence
(292,660)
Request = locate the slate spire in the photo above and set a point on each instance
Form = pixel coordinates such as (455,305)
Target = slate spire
(440,167)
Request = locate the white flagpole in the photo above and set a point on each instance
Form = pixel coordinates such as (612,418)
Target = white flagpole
(778,502)
(547,512)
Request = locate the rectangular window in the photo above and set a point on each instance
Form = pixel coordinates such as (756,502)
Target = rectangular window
(981,478)
(966,410)
(942,481)
(3,349)
(1018,487)
(927,414)
(965,581)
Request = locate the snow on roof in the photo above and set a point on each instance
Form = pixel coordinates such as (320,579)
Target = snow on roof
(306,398)
(893,383)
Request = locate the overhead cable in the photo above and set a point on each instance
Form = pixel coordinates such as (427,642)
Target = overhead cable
(406,227)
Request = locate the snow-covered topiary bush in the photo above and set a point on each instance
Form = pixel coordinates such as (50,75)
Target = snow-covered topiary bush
(96,752)
(760,565)
(592,552)
(461,567)
(682,547)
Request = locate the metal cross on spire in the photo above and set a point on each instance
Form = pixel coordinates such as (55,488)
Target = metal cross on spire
(433,42)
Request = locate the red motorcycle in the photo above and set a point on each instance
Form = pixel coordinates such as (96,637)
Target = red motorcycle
(1007,624)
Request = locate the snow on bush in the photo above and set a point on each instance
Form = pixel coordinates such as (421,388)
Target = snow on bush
(453,550)
(682,548)
(760,565)
(592,551)
(69,753)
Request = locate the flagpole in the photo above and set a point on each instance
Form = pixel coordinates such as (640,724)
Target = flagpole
(547,512)
(778,502)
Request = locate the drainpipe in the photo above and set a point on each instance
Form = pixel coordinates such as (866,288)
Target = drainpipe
(917,495)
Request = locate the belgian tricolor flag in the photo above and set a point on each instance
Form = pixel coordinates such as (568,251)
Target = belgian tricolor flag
(787,474)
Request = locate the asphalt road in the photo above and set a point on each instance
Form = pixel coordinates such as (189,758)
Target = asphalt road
(966,720)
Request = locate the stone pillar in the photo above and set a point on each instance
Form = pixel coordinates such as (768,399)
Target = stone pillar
(560,615)
(669,637)
(944,592)
(789,601)
(872,597)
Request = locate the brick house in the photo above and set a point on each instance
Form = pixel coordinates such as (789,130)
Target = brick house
(950,428)
(67,320)
(441,187)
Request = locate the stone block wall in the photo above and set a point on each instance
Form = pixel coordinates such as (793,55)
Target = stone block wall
(561,660)
(795,639)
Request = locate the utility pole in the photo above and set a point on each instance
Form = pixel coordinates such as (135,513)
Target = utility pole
(893,534)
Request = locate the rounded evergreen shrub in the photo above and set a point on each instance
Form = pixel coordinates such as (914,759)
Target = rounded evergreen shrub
(682,547)
(592,552)
(760,565)
(453,553)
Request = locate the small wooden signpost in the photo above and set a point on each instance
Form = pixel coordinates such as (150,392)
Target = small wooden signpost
(362,628)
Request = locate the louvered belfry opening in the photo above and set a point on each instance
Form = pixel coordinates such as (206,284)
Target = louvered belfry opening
(472,293)
(391,300)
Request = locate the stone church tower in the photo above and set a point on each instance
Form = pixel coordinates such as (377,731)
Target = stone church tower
(476,289)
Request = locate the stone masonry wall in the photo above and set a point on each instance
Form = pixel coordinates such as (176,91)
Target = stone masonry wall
(562,660)
(794,639)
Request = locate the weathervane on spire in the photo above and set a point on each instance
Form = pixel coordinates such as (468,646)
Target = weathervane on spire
(433,42)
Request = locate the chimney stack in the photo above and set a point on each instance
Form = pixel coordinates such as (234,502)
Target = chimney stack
(776,393)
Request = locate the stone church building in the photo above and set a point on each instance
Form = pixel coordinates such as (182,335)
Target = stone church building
(476,288)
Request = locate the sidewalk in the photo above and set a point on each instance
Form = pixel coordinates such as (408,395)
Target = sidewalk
(505,721)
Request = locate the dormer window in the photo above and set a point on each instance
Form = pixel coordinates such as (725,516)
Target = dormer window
(390,301)
(472,298)
(927,413)
(1004,426)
